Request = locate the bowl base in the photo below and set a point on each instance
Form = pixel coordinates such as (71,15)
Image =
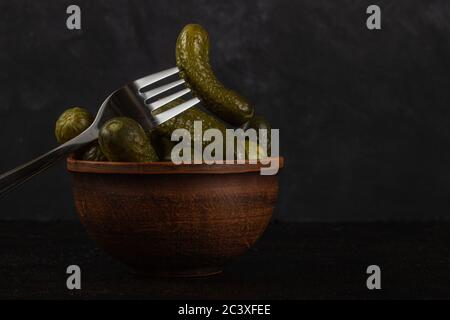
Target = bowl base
(184,273)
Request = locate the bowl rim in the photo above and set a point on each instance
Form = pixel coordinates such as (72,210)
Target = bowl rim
(167,167)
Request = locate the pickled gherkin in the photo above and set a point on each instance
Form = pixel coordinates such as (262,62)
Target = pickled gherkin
(71,123)
(123,139)
(192,56)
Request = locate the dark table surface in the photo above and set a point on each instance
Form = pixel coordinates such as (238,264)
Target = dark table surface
(291,261)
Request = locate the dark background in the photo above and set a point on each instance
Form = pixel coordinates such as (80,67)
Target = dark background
(363,115)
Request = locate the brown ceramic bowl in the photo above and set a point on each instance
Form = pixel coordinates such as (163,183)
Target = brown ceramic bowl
(177,220)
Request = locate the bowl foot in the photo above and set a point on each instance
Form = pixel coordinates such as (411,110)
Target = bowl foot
(184,273)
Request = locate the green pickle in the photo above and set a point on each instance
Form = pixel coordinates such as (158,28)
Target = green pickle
(259,122)
(71,123)
(192,57)
(253,151)
(161,135)
(123,140)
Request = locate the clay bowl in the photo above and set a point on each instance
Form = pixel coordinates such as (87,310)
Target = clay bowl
(174,220)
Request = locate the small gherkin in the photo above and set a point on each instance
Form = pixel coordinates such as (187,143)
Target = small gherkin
(192,57)
(123,140)
(161,135)
(259,122)
(71,123)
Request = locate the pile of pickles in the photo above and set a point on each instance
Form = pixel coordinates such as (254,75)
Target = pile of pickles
(122,139)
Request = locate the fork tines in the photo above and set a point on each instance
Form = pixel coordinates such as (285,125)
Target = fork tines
(149,94)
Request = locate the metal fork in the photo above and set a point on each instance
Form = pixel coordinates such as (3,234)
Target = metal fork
(132,101)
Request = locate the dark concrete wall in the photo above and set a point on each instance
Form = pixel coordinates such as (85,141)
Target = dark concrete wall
(364,115)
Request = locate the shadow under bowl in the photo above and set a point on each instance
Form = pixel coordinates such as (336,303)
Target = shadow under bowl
(164,219)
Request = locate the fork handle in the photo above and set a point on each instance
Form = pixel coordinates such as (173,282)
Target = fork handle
(17,176)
